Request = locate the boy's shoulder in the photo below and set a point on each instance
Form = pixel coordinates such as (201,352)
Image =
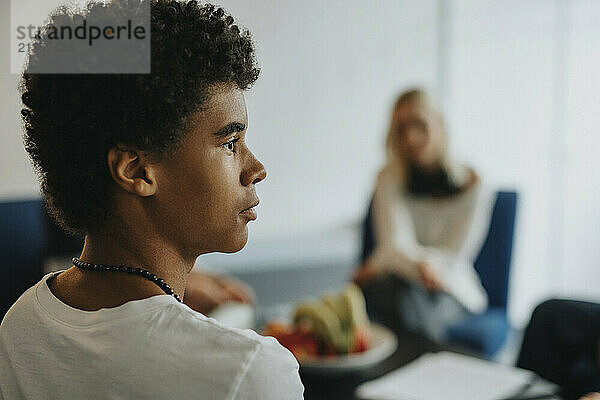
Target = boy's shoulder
(194,332)
(192,322)
(263,367)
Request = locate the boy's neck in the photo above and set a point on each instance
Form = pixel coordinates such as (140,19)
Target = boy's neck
(92,290)
(138,251)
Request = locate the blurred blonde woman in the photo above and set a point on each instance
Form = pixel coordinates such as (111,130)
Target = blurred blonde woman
(430,215)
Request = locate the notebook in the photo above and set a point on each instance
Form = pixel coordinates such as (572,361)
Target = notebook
(448,376)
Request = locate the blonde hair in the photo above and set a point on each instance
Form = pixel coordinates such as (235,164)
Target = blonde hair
(421,98)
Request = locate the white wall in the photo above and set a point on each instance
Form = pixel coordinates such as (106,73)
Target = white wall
(522,104)
(17,179)
(580,252)
(518,83)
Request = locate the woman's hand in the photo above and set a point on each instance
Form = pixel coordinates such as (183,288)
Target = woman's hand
(204,292)
(365,273)
(428,277)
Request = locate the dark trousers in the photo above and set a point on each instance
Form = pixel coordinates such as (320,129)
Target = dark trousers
(403,305)
(561,344)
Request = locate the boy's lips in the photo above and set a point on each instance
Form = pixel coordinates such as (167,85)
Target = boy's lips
(250,212)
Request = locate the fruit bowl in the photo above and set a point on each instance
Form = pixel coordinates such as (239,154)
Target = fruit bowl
(333,333)
(383,344)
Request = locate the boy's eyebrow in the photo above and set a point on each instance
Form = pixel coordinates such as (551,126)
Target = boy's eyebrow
(229,129)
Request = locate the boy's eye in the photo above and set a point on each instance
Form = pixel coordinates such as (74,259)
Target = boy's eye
(231,144)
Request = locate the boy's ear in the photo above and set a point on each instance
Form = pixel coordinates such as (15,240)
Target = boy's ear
(132,171)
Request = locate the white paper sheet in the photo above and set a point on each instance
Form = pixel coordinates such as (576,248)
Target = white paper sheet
(447,376)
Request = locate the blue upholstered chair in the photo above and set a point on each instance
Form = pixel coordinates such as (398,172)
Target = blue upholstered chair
(27,236)
(484,333)
(22,242)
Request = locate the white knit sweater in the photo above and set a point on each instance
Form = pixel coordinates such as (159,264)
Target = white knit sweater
(446,232)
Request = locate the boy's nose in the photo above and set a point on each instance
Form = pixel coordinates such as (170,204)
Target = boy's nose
(254,173)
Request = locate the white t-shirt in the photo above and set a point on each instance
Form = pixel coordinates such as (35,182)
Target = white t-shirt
(154,348)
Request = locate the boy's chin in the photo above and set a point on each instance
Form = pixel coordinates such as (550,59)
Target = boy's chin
(237,243)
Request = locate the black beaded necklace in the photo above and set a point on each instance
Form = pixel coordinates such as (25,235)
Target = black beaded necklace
(130,270)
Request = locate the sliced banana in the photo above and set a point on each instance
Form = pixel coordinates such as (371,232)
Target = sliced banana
(355,303)
(325,323)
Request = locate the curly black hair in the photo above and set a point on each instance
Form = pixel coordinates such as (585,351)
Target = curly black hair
(71,121)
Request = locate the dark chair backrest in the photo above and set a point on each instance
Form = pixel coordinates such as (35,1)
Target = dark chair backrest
(22,242)
(493,262)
